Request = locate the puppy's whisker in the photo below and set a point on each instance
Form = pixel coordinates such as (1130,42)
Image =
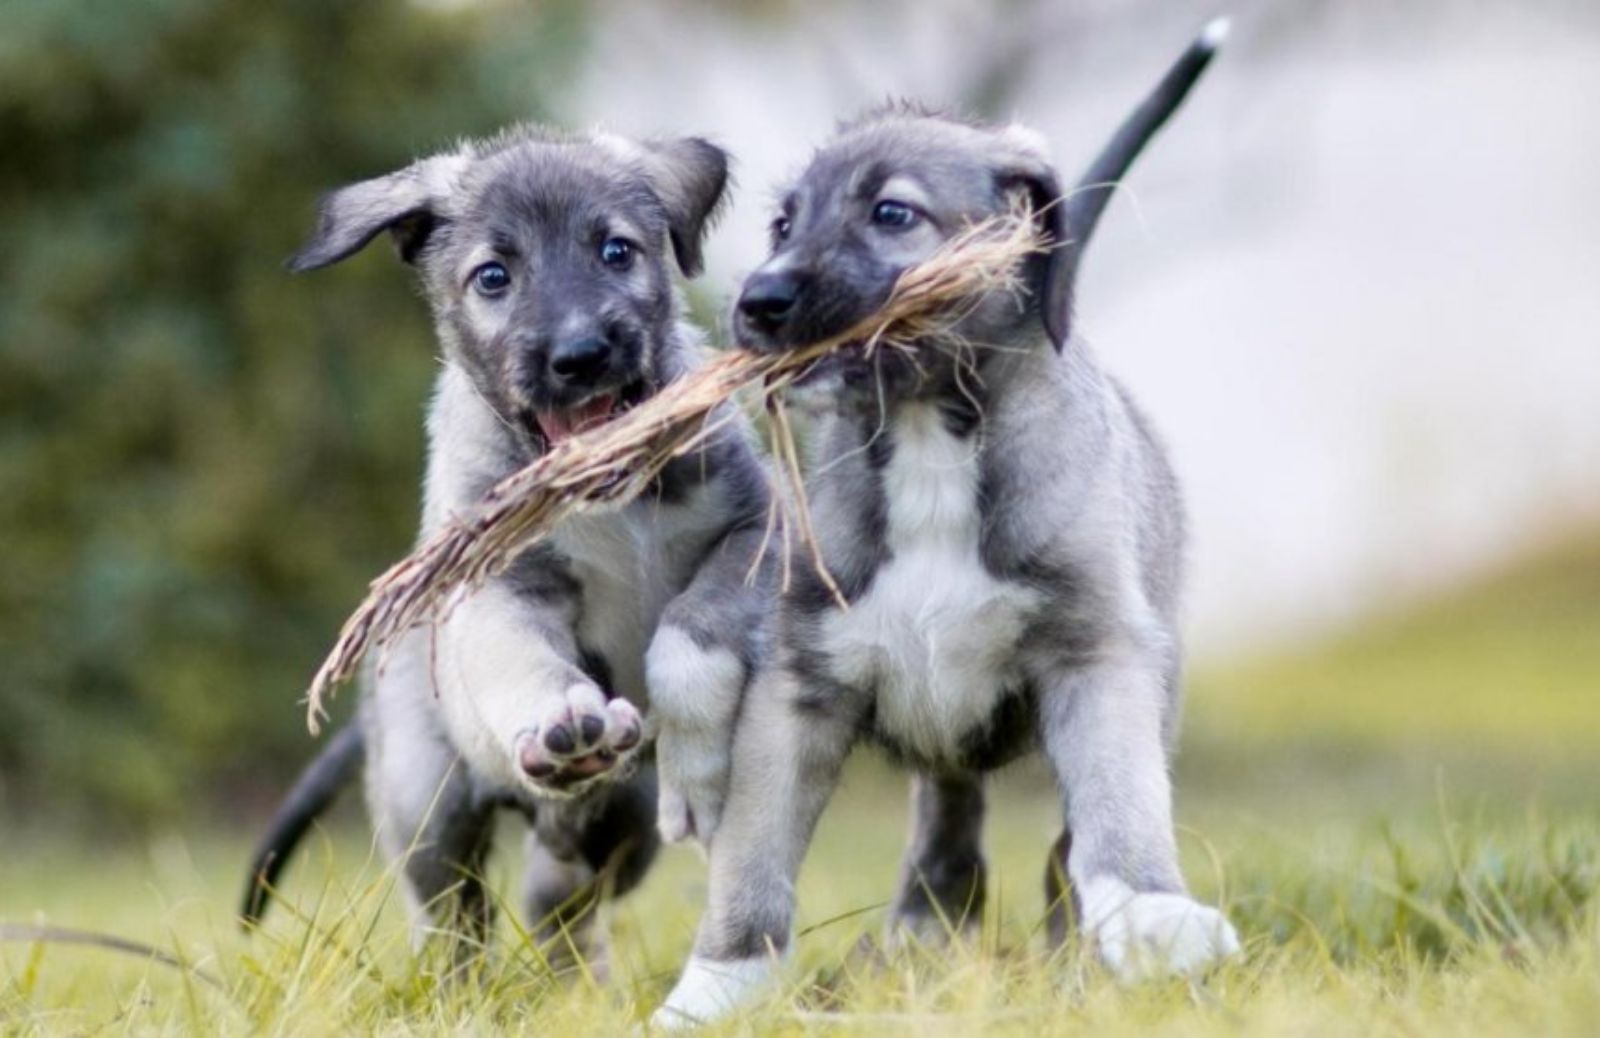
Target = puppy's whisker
(509,425)
(1117,187)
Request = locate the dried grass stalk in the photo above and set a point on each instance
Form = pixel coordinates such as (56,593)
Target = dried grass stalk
(617,461)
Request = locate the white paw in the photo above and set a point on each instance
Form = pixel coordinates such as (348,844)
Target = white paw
(710,990)
(693,773)
(1147,936)
(694,694)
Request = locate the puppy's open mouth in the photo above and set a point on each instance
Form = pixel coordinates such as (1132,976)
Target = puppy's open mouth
(560,423)
(556,426)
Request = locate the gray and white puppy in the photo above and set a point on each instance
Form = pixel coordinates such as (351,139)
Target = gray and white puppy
(547,262)
(1008,534)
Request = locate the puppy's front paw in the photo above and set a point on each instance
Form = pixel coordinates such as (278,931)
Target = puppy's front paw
(711,989)
(580,738)
(693,773)
(1147,936)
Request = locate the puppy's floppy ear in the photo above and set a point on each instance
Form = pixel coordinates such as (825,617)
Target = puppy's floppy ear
(1028,171)
(405,203)
(690,176)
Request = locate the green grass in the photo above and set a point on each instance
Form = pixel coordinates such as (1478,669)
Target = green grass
(1400,821)
(1483,924)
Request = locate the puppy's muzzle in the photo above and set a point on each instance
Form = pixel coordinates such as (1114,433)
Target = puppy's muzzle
(582,363)
(769,301)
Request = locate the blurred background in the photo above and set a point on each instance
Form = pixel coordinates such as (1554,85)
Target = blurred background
(1356,282)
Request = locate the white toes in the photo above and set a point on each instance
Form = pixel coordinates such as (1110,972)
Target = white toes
(710,990)
(693,769)
(672,816)
(624,727)
(586,698)
(1146,936)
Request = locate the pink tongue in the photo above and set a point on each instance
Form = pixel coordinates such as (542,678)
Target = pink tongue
(558,425)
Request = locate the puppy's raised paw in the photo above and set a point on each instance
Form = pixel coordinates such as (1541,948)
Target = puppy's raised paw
(579,739)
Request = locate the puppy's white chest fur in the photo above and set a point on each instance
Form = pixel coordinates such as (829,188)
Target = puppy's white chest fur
(935,634)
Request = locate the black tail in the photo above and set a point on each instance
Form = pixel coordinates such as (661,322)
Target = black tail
(316,788)
(1095,188)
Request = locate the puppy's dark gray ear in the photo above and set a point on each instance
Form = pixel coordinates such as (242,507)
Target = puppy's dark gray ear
(405,203)
(1037,181)
(690,176)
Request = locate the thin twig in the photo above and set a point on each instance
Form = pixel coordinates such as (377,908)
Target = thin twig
(789,462)
(27,933)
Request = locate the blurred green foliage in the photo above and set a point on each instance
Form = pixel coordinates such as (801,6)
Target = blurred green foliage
(202,459)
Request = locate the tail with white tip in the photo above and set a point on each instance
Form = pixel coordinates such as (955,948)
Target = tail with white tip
(1088,200)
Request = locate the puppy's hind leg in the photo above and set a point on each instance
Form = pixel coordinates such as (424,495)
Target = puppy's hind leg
(943,876)
(441,847)
(1103,734)
(790,743)
(1060,909)
(427,817)
(579,853)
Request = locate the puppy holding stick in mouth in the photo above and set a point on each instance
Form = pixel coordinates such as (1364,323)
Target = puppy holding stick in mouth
(1006,535)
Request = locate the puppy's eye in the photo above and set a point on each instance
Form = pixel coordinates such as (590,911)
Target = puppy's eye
(781,228)
(617,253)
(491,279)
(889,213)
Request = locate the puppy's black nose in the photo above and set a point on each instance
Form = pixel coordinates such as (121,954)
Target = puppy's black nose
(581,362)
(768,300)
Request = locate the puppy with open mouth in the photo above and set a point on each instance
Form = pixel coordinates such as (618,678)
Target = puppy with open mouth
(548,262)
(1007,533)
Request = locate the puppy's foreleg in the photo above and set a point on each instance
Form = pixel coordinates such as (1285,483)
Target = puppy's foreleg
(788,749)
(1102,731)
(517,703)
(696,669)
